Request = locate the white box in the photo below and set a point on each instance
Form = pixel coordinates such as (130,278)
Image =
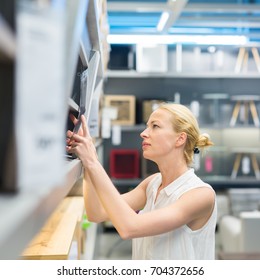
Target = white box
(152,58)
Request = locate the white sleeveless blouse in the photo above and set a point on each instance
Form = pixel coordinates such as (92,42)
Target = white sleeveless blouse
(182,243)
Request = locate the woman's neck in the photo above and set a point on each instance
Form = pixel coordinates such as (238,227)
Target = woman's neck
(171,172)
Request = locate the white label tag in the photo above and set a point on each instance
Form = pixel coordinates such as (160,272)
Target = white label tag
(93,121)
(116,135)
(94,116)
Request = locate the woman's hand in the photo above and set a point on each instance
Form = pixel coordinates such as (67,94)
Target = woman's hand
(81,144)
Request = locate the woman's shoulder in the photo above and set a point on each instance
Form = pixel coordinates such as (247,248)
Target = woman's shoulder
(195,182)
(154,177)
(150,180)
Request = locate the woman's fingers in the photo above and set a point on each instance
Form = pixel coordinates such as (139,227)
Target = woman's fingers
(69,137)
(73,119)
(69,133)
(78,143)
(85,127)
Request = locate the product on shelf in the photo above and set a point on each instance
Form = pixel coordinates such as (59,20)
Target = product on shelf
(124,163)
(126,107)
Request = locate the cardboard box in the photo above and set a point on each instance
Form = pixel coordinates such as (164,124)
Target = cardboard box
(148,107)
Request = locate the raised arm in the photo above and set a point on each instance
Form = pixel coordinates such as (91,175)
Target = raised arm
(135,198)
(94,208)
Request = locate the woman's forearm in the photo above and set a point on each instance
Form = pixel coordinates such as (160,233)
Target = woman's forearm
(94,208)
(98,187)
(117,209)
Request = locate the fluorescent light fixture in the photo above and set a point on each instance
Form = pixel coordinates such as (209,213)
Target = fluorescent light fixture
(174,39)
(139,39)
(163,19)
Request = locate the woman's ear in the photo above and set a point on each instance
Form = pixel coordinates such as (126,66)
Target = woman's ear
(181,139)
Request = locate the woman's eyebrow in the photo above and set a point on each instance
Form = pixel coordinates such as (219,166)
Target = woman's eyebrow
(152,122)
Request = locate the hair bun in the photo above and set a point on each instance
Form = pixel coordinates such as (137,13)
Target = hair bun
(205,135)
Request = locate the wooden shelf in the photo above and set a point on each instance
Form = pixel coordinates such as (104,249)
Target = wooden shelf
(54,240)
(25,212)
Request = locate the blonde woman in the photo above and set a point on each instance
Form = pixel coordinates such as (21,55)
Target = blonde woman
(169,215)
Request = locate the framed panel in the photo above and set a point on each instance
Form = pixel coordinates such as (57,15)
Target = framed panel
(125,105)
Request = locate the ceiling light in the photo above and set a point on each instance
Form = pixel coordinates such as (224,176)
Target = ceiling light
(139,39)
(163,19)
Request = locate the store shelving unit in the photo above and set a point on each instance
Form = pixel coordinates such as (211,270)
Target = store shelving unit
(224,138)
(23,211)
(193,84)
(117,74)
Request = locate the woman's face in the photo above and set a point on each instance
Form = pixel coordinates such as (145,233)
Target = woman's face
(159,138)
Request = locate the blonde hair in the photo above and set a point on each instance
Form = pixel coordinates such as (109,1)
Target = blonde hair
(184,121)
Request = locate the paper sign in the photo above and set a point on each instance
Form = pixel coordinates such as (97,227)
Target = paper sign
(40,96)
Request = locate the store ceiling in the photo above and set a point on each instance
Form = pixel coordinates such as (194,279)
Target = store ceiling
(186,17)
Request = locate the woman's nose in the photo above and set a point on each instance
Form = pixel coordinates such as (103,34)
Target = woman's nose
(143,134)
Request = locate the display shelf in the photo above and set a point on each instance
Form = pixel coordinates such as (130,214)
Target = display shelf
(73,105)
(133,128)
(217,182)
(83,53)
(203,75)
(76,13)
(249,150)
(217,126)
(126,182)
(94,34)
(26,211)
(225,182)
(227,126)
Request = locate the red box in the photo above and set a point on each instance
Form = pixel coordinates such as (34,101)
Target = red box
(124,163)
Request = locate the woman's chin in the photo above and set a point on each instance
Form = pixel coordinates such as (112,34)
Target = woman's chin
(146,156)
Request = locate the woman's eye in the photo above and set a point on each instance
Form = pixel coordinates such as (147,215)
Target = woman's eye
(155,126)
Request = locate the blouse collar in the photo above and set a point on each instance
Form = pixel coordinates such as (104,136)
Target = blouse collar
(173,186)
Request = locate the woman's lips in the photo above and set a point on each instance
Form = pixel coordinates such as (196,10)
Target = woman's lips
(144,145)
